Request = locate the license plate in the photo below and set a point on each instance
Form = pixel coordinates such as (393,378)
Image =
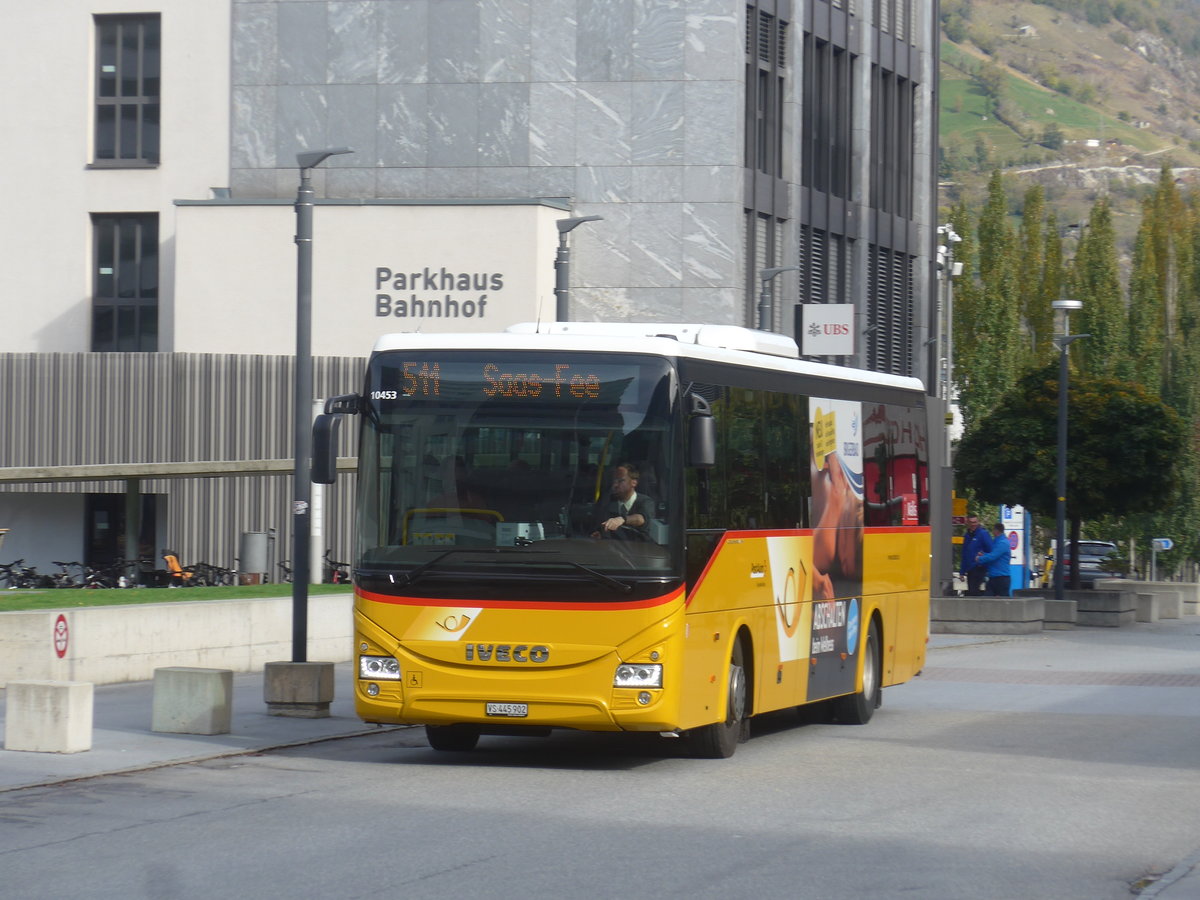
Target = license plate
(508,710)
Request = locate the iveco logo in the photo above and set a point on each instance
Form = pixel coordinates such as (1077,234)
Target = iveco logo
(521,653)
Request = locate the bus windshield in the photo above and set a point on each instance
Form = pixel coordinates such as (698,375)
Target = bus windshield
(519,476)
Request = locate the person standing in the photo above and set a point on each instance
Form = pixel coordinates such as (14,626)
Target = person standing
(976,542)
(997,561)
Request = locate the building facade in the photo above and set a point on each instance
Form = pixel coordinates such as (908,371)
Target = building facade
(715,139)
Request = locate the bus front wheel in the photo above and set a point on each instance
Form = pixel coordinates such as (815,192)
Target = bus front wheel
(857,709)
(720,739)
(458,738)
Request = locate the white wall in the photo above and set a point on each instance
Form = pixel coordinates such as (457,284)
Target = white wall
(42,527)
(111,644)
(236,273)
(49,191)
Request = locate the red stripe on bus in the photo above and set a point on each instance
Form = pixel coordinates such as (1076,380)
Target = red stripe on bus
(514,604)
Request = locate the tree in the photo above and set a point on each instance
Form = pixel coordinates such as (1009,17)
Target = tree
(1095,281)
(1124,445)
(991,333)
(1040,313)
(1144,360)
(1031,273)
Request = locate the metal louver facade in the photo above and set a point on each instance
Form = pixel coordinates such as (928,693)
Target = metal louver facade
(106,408)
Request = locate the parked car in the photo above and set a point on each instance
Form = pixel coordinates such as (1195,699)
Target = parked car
(1094,562)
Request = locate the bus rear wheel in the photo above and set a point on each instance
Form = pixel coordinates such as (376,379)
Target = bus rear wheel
(720,739)
(857,709)
(455,738)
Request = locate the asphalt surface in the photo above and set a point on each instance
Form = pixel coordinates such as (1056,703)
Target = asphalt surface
(122,740)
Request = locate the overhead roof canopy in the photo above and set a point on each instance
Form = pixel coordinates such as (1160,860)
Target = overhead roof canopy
(127,471)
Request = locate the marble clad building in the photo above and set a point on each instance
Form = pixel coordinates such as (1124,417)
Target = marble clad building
(715,138)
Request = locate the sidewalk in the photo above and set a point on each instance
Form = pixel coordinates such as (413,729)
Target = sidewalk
(122,740)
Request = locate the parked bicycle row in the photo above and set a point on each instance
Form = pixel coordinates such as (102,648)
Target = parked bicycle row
(133,573)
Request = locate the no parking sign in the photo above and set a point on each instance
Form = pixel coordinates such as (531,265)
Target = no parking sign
(61,635)
(1013,519)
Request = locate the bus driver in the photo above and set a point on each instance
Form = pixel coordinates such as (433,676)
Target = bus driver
(625,507)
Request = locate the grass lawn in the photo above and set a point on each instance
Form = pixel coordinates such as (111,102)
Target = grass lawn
(67,598)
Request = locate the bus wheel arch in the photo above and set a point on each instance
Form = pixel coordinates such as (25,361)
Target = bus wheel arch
(719,740)
(857,708)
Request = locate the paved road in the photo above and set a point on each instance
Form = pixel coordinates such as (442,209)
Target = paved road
(1062,765)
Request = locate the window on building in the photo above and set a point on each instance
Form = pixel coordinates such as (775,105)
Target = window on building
(766,62)
(828,117)
(890,311)
(892,141)
(766,189)
(824,266)
(125,282)
(127,90)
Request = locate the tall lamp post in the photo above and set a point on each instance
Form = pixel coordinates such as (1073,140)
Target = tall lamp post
(302,407)
(764,296)
(1063,343)
(562,262)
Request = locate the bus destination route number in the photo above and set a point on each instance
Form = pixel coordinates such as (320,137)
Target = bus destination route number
(424,379)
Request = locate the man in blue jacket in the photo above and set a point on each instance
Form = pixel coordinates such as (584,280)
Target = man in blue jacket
(975,543)
(999,575)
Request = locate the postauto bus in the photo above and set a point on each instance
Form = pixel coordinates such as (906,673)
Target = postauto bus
(643,528)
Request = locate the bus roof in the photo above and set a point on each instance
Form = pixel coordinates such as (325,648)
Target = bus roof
(718,343)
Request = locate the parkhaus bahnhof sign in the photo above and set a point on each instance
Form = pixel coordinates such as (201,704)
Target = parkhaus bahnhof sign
(378,267)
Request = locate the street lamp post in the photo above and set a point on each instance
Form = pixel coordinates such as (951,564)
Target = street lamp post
(562,261)
(1063,342)
(302,408)
(950,269)
(764,297)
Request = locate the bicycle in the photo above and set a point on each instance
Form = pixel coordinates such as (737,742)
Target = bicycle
(65,579)
(339,572)
(285,572)
(20,576)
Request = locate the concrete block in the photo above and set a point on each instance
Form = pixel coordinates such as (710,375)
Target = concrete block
(985,615)
(302,690)
(1170,604)
(190,700)
(1061,615)
(48,716)
(1147,607)
(1105,609)
(1172,595)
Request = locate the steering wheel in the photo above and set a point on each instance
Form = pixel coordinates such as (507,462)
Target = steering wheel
(624,533)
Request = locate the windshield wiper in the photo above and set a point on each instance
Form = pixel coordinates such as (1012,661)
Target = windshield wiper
(412,575)
(601,577)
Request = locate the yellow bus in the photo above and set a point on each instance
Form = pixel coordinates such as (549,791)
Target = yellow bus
(642,528)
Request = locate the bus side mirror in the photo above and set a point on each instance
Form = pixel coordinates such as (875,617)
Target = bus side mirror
(325,437)
(324,448)
(702,433)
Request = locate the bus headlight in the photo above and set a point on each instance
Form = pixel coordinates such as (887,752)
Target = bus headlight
(638,675)
(379,668)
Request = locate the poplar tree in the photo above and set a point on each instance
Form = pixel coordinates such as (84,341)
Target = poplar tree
(1095,281)
(1143,361)
(1031,274)
(1041,316)
(994,335)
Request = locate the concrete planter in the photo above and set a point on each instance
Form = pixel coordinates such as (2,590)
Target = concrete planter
(986,615)
(111,644)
